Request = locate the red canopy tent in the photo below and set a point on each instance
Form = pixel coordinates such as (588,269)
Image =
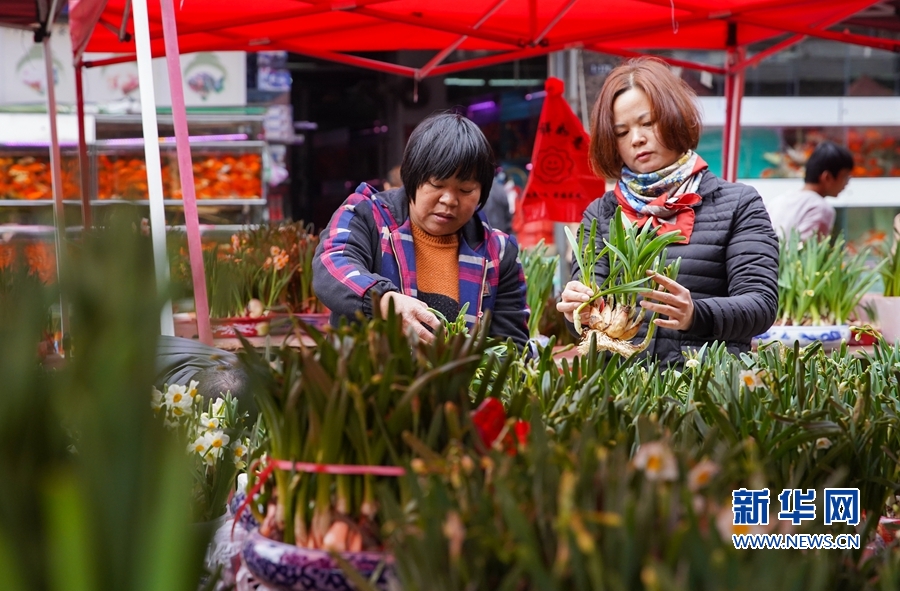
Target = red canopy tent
(503,30)
(517,28)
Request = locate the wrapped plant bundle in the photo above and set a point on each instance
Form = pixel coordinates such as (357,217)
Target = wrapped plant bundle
(632,253)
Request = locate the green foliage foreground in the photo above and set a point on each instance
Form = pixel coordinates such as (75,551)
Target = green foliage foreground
(93,495)
(624,483)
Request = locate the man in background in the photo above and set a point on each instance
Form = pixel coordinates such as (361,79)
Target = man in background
(807,210)
(497,210)
(392,181)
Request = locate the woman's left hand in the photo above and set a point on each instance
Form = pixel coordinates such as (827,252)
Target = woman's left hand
(675,303)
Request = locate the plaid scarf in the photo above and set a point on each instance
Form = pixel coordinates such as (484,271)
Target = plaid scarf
(666,197)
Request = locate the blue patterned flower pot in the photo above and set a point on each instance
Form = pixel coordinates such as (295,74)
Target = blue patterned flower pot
(290,568)
(830,336)
(246,519)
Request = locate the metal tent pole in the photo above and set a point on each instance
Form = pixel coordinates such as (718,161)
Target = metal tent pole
(734,94)
(59,213)
(186,171)
(83,164)
(151,156)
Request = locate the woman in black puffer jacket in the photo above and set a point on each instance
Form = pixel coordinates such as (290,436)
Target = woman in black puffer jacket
(645,127)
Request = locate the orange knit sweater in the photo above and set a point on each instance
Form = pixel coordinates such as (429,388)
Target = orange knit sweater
(437,264)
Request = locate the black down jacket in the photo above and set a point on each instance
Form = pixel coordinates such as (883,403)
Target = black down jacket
(730,267)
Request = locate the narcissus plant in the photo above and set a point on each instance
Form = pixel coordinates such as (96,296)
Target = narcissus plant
(629,253)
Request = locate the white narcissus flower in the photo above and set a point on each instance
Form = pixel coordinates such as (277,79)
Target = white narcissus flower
(156,400)
(750,380)
(823,443)
(177,398)
(208,423)
(240,452)
(700,475)
(201,445)
(211,455)
(192,389)
(692,363)
(656,461)
(218,440)
(218,408)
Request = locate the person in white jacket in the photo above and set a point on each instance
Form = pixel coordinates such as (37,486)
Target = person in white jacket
(807,209)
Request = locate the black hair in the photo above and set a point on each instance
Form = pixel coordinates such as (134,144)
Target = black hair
(830,157)
(215,381)
(446,145)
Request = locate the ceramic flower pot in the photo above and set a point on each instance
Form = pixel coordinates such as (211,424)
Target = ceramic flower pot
(224,328)
(830,336)
(887,529)
(246,517)
(290,568)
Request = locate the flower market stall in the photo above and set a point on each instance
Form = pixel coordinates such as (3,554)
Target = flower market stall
(373,460)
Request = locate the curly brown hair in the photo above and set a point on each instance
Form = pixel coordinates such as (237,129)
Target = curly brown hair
(677,115)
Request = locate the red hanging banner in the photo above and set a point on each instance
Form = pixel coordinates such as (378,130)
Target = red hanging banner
(561,184)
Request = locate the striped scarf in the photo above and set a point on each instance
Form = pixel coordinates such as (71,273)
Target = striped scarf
(666,197)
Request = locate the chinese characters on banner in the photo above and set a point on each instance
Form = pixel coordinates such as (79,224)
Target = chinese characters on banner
(561,184)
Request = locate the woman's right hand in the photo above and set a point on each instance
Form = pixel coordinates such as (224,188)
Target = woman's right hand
(414,314)
(575,294)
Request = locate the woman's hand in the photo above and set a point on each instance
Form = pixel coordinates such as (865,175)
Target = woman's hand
(575,294)
(676,303)
(414,313)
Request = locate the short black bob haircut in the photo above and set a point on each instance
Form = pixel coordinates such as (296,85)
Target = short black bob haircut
(830,157)
(446,145)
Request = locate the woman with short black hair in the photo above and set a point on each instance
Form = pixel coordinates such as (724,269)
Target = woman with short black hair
(424,245)
(645,127)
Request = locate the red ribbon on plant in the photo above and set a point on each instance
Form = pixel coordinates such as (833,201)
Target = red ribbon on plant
(310,468)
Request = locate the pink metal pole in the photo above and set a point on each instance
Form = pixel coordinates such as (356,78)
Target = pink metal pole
(734,94)
(186,170)
(729,89)
(83,164)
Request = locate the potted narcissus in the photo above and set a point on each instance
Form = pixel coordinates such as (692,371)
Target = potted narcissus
(887,306)
(262,281)
(540,269)
(819,287)
(344,419)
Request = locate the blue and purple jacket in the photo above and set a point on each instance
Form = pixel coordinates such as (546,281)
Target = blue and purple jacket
(368,245)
